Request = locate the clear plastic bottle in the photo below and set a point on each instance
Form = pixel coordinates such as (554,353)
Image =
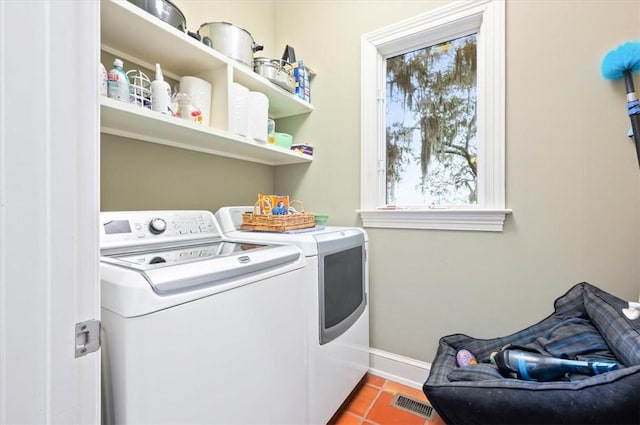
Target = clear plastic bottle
(271,131)
(118,83)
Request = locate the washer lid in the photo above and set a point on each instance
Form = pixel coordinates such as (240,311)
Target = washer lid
(187,267)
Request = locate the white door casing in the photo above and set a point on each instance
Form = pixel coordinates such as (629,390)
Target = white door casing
(49,205)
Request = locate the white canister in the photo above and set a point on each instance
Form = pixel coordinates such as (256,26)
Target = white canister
(258,116)
(239,114)
(200,92)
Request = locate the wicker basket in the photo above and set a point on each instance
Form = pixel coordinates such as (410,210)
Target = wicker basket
(277,223)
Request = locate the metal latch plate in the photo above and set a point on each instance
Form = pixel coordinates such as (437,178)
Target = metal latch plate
(87,337)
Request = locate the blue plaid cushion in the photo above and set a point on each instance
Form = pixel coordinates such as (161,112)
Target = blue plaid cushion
(622,334)
(478,372)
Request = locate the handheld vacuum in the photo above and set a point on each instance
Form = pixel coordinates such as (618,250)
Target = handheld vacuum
(532,366)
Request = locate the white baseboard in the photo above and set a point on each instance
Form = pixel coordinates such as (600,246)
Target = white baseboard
(404,370)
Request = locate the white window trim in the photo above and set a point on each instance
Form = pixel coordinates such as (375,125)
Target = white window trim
(457,19)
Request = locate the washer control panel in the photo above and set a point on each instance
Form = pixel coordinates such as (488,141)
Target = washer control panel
(126,228)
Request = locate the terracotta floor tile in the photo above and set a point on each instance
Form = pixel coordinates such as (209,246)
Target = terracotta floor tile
(384,413)
(374,380)
(362,400)
(394,387)
(346,418)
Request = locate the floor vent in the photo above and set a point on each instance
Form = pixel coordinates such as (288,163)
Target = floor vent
(414,406)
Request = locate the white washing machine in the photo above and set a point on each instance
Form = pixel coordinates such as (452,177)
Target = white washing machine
(198,330)
(338,313)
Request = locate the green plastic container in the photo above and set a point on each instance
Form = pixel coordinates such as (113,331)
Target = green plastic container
(320,219)
(284,140)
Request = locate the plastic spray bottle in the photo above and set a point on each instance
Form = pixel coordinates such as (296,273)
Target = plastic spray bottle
(160,93)
(118,82)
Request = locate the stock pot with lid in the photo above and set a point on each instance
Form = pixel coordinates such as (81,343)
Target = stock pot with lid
(230,40)
(277,71)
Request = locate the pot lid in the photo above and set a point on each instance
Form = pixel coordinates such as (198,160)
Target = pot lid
(226,23)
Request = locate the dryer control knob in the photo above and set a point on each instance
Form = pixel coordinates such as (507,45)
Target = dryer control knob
(157,226)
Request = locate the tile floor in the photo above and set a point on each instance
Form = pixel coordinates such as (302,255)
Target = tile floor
(370,404)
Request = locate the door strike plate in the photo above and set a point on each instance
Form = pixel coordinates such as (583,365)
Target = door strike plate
(87,337)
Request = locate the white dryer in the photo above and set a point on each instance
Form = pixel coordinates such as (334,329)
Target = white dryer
(199,330)
(338,311)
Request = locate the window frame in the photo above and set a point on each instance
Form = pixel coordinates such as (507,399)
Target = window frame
(487,18)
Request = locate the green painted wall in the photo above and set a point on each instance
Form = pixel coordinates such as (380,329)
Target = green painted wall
(138,175)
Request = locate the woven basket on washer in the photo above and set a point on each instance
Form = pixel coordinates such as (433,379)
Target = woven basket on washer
(277,223)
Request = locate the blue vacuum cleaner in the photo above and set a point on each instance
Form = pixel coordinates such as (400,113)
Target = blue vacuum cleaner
(622,62)
(527,364)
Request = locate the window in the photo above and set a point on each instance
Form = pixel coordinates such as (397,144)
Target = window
(431,137)
(433,120)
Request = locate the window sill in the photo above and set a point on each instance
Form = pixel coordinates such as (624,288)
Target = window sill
(483,220)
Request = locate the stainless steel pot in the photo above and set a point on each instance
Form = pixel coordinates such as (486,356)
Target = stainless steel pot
(165,11)
(230,40)
(277,71)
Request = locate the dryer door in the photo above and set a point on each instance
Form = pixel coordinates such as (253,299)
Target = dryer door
(341,281)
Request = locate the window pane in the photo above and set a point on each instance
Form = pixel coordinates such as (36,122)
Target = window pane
(431,125)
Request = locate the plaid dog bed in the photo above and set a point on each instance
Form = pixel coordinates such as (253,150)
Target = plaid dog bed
(587,324)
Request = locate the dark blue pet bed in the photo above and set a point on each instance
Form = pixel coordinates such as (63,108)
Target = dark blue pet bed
(587,324)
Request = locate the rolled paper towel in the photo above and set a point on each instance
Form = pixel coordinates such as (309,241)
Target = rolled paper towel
(239,114)
(200,92)
(258,116)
